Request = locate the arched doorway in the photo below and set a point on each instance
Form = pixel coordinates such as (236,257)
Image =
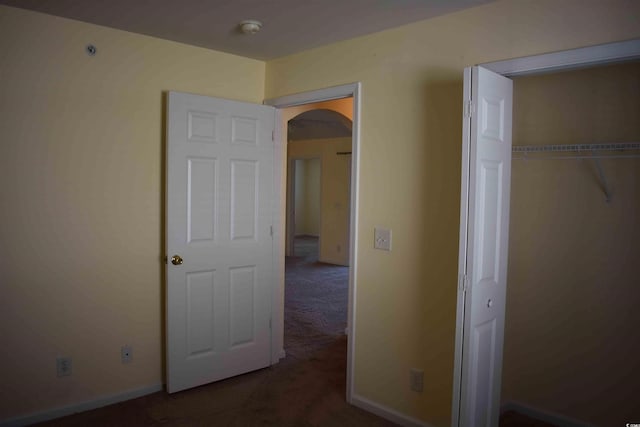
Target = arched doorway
(318,236)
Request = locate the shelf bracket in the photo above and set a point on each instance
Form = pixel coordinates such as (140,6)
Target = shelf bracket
(603,180)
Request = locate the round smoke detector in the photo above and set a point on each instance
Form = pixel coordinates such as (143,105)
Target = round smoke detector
(250,26)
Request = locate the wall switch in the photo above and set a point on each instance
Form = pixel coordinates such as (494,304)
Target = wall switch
(416,380)
(382,239)
(63,366)
(126,353)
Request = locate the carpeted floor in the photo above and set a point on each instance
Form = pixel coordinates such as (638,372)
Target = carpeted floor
(316,301)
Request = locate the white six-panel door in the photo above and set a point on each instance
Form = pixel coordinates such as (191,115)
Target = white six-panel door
(219,218)
(485,248)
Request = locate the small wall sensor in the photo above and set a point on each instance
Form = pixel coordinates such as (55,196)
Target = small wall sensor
(91,50)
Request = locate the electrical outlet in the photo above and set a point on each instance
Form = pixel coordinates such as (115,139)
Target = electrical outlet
(63,366)
(126,353)
(416,380)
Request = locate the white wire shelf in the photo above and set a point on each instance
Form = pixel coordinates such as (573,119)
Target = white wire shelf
(623,150)
(576,148)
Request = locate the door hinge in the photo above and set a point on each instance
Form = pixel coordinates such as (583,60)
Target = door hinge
(273,135)
(271,230)
(463,282)
(269,323)
(468,108)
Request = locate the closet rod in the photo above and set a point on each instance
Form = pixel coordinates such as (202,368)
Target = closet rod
(624,146)
(614,156)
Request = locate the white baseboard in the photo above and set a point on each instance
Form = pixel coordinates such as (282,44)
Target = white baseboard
(80,407)
(546,416)
(386,412)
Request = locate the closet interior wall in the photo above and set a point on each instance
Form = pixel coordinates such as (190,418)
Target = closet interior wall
(571,334)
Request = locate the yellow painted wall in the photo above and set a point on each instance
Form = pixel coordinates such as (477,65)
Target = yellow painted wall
(299,196)
(307,188)
(571,336)
(334,194)
(313,175)
(410,170)
(81,219)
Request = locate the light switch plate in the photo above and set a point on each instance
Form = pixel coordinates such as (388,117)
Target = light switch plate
(382,239)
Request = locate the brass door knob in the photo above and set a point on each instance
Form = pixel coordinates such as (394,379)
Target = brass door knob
(176,260)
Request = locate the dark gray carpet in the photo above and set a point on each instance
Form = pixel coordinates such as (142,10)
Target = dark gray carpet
(316,301)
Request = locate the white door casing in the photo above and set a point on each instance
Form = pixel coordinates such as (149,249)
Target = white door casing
(220,211)
(484,245)
(327,94)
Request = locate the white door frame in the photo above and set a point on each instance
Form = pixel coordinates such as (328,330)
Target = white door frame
(280,153)
(536,64)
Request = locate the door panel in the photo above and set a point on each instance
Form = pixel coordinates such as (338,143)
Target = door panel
(486,231)
(201,200)
(244,195)
(243,286)
(219,218)
(489,232)
(244,130)
(200,308)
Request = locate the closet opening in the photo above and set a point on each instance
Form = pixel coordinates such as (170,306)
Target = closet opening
(576,226)
(574,243)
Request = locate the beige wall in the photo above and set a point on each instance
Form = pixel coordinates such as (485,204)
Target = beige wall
(572,297)
(313,174)
(81,219)
(307,189)
(410,171)
(299,196)
(334,194)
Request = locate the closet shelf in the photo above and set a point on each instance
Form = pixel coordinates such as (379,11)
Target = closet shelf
(582,152)
(625,146)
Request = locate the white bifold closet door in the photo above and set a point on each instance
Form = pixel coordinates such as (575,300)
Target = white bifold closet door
(484,245)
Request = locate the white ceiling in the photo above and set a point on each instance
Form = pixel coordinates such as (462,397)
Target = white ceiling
(290,26)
